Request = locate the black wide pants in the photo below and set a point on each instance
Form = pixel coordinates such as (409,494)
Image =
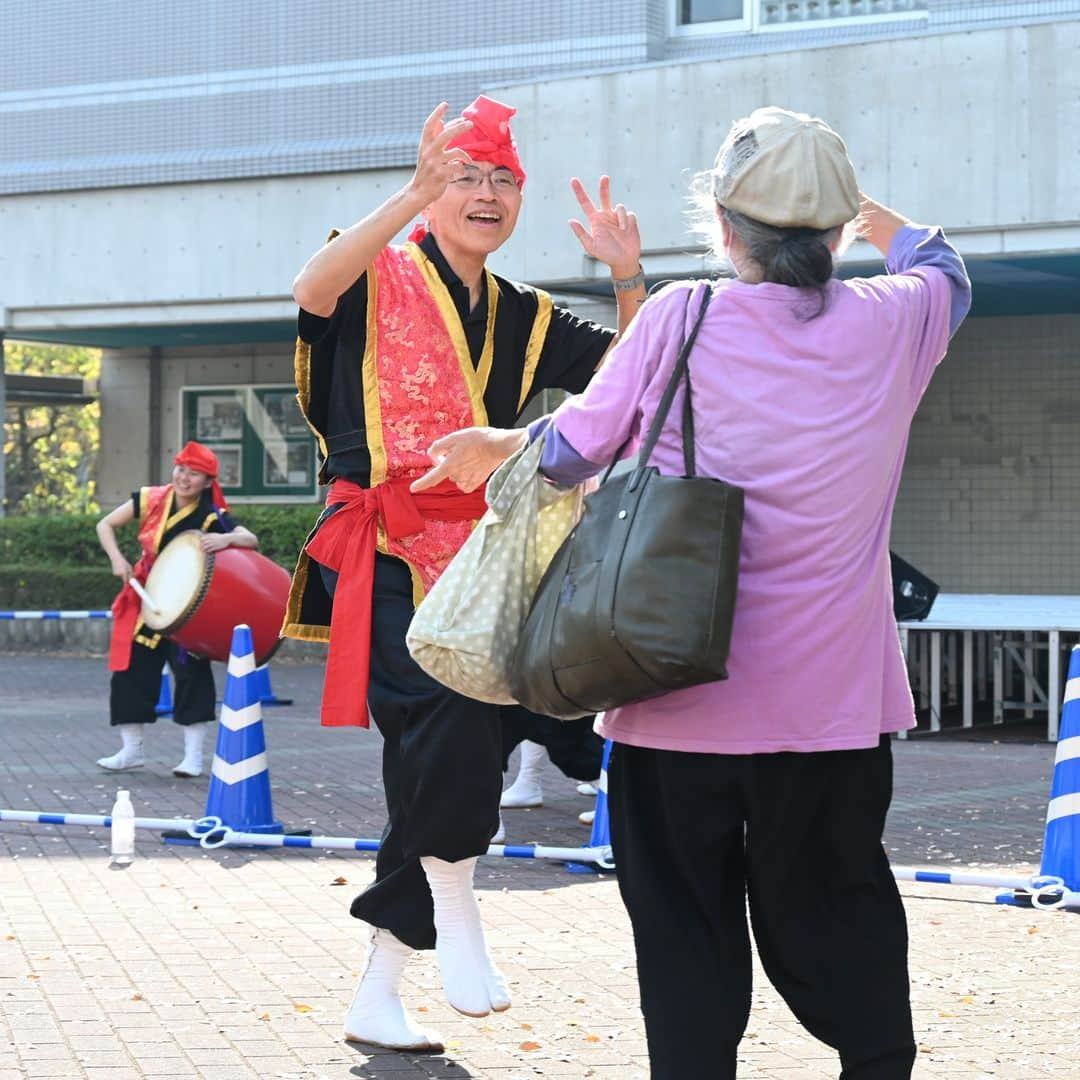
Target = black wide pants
(696,837)
(442,767)
(134,693)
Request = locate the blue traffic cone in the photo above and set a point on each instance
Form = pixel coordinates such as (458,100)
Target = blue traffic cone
(164,704)
(1061,848)
(266,695)
(240,779)
(601,826)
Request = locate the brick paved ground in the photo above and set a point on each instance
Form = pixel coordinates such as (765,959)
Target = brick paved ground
(240,963)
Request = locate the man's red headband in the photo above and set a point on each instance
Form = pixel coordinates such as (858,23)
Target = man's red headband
(489,138)
(202,459)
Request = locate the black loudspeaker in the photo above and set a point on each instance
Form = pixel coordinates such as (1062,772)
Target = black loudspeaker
(913,592)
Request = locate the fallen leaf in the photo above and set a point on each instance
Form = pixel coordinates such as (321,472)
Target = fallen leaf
(33,976)
(302,1008)
(137,997)
(421,1008)
(967,1001)
(935,922)
(529,1046)
(926,1049)
(340,881)
(1033,929)
(265,1016)
(10,937)
(527,1027)
(592,1038)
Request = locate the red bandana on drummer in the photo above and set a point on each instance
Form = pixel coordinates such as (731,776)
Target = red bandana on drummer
(201,458)
(489,139)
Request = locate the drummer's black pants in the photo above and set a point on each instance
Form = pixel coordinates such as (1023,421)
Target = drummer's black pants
(698,838)
(134,693)
(442,767)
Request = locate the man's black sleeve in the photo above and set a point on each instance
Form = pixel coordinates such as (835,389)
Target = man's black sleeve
(571,353)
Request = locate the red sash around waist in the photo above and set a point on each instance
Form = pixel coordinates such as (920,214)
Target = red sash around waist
(126,609)
(346,543)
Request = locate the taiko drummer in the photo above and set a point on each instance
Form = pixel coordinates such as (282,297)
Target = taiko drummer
(137,655)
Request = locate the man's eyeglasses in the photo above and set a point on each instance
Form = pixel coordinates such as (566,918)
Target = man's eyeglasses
(472,179)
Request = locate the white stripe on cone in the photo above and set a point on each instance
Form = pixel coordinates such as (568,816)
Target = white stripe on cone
(241,770)
(1067,749)
(244,665)
(238,719)
(1072,691)
(1063,806)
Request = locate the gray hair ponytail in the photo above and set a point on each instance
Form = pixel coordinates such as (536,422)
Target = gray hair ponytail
(797,257)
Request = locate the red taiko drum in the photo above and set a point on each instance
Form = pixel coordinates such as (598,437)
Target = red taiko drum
(201,595)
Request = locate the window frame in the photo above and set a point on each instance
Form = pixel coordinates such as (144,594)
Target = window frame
(752,23)
(253,441)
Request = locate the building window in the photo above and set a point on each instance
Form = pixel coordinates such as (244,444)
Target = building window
(265,449)
(703,11)
(710,16)
(713,16)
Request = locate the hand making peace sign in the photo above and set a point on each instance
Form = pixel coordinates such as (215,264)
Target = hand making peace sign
(612,235)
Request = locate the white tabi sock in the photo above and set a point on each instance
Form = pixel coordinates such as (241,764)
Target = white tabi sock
(194,736)
(130,754)
(377,1014)
(526,789)
(472,983)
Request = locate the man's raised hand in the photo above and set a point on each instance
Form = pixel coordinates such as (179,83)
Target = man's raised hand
(611,235)
(435,165)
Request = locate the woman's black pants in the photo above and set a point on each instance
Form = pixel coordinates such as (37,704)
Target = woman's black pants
(796,837)
(134,693)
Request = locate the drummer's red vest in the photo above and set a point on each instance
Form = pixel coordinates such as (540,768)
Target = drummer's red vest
(154,519)
(419,384)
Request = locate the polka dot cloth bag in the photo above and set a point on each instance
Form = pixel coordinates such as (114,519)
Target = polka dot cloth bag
(466,629)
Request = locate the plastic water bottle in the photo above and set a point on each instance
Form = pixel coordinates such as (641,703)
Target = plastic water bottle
(122,834)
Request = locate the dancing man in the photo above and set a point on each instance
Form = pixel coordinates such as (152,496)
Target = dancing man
(399,348)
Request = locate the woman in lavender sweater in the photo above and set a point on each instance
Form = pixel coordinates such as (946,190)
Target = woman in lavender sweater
(773,786)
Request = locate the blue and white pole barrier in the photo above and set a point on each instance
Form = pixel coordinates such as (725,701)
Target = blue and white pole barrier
(1043,890)
(211,833)
(105,821)
(55,614)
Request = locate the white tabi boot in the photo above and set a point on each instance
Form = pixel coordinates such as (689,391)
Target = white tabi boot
(130,754)
(377,1015)
(194,736)
(473,985)
(526,791)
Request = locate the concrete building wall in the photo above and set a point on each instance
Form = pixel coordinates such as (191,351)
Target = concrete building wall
(967,129)
(990,497)
(962,129)
(124,457)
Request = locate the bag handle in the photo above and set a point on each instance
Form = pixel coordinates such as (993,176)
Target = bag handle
(680,372)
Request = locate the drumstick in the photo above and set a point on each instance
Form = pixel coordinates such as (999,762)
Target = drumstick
(144,596)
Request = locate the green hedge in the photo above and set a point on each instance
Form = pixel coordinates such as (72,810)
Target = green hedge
(72,541)
(57,562)
(47,588)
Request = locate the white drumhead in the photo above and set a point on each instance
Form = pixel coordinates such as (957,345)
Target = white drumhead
(175,580)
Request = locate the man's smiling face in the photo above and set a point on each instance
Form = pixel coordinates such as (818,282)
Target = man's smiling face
(477,212)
